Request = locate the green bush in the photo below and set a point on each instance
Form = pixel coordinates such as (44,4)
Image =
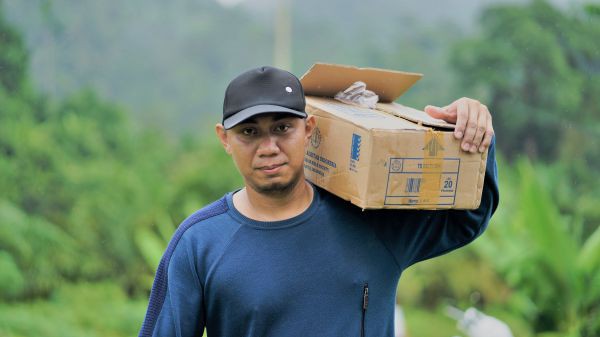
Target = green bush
(85,309)
(553,270)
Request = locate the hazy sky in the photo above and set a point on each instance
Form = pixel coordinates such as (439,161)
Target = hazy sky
(460,11)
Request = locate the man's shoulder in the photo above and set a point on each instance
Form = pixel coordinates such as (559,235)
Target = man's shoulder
(202,234)
(331,202)
(206,226)
(209,221)
(211,210)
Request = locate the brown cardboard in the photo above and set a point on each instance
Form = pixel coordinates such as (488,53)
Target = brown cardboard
(389,157)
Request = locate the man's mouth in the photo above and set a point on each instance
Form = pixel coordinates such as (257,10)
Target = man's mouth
(270,169)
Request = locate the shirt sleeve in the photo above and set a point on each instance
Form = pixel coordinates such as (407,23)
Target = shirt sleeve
(176,300)
(417,235)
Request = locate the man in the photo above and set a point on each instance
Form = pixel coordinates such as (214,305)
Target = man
(281,257)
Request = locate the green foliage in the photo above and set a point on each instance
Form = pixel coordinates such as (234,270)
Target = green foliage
(536,267)
(11,279)
(13,58)
(553,270)
(152,242)
(37,252)
(202,173)
(539,68)
(85,309)
(592,9)
(463,278)
(428,323)
(81,185)
(431,283)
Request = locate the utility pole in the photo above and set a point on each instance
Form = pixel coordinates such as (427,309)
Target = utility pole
(282,31)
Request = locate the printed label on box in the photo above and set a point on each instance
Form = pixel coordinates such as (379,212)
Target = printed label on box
(408,177)
(355,152)
(318,164)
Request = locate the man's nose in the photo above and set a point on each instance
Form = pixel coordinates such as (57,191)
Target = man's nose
(268,146)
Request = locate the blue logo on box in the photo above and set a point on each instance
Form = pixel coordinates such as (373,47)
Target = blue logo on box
(356,140)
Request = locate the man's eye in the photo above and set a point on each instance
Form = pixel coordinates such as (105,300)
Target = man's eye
(282,128)
(248,132)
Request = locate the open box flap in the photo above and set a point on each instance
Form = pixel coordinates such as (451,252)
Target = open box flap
(326,80)
(413,115)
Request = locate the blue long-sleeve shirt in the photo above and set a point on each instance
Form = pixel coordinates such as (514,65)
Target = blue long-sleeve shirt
(330,271)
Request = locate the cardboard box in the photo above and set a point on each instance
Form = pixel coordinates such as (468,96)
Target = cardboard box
(389,157)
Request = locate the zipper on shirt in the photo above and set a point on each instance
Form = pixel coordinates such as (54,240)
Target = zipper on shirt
(365,304)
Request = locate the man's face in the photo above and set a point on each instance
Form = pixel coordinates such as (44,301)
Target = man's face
(268,150)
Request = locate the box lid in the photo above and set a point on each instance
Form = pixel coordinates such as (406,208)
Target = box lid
(413,115)
(326,80)
(362,117)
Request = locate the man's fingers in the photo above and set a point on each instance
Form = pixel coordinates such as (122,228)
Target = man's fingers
(451,108)
(462,117)
(436,112)
(489,133)
(473,122)
(471,125)
(441,113)
(482,125)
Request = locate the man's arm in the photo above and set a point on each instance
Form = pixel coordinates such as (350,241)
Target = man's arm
(417,235)
(414,236)
(175,307)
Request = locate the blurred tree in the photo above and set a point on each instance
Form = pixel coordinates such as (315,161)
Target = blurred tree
(80,182)
(66,206)
(13,57)
(541,70)
(592,9)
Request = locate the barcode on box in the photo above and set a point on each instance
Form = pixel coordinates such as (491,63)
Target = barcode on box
(413,185)
(410,181)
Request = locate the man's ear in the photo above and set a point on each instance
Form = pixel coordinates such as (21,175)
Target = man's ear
(310,124)
(222,134)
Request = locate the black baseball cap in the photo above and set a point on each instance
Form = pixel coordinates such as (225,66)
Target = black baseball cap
(262,90)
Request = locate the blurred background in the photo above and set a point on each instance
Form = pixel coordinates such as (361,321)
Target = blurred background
(107,110)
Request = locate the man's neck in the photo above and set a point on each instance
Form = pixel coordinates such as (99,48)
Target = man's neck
(261,207)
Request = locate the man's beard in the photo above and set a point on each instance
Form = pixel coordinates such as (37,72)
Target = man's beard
(277,189)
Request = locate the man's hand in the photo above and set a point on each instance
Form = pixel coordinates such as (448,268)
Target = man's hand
(473,122)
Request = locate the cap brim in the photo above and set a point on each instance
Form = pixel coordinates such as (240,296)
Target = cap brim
(259,110)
